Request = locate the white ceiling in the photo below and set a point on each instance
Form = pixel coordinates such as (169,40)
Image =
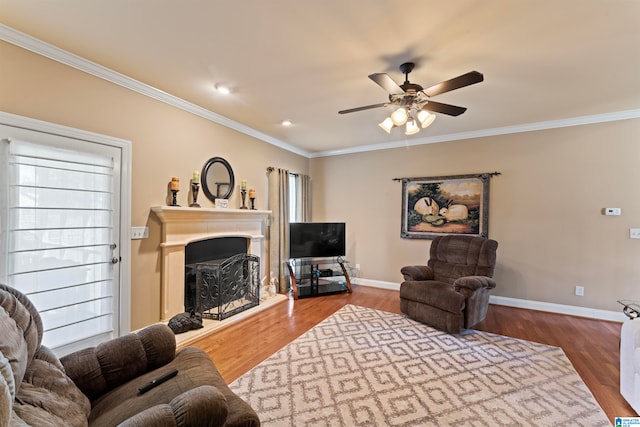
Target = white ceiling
(304,60)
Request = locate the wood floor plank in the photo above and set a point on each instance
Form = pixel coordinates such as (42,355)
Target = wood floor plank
(591,345)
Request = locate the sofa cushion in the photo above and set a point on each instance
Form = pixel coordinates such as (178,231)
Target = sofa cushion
(48,397)
(13,346)
(26,316)
(433,293)
(97,370)
(195,369)
(7,390)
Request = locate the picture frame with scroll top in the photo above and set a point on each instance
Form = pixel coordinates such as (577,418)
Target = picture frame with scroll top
(444,205)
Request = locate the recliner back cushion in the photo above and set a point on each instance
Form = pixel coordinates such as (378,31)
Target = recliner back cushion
(26,318)
(13,344)
(452,257)
(7,390)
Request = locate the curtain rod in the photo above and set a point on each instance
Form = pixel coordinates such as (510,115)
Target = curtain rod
(491,174)
(271,169)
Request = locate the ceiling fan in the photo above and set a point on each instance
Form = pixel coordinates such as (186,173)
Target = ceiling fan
(414,101)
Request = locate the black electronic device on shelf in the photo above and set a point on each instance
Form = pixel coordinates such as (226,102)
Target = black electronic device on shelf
(316,239)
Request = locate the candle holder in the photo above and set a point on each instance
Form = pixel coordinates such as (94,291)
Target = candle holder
(195,187)
(243,194)
(174,198)
(253,199)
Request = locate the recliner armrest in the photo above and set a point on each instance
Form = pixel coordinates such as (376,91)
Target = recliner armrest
(417,272)
(471,283)
(97,370)
(204,405)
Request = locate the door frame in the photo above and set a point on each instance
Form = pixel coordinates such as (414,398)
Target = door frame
(124,293)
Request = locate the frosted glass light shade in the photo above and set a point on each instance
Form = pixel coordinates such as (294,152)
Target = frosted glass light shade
(412,127)
(399,117)
(387,124)
(425,118)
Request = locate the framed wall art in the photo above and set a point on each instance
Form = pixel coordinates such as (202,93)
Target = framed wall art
(441,205)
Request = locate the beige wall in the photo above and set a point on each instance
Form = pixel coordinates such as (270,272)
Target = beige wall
(166,142)
(545,208)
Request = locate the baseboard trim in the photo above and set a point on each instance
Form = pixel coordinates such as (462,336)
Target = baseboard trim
(572,310)
(376,283)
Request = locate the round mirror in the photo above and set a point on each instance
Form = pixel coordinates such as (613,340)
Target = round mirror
(217,179)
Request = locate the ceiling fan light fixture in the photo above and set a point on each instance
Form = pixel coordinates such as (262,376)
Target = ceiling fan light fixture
(412,127)
(399,117)
(223,89)
(387,124)
(425,118)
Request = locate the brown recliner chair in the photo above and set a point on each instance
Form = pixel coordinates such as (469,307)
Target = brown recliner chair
(451,292)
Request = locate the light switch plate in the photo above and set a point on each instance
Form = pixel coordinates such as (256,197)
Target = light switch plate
(634,233)
(139,233)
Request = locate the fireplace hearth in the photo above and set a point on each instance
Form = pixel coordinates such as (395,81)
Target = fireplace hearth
(184,226)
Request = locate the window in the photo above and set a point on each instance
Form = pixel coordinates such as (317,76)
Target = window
(293,217)
(61,234)
(299,194)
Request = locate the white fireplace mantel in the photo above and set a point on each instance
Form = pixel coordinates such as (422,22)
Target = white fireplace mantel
(181,226)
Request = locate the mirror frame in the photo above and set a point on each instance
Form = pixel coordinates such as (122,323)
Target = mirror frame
(205,171)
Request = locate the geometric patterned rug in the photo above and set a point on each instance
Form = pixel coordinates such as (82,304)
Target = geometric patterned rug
(364,367)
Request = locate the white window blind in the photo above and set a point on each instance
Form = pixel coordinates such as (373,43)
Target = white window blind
(59,231)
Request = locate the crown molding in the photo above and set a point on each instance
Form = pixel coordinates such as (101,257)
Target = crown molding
(40,47)
(527,127)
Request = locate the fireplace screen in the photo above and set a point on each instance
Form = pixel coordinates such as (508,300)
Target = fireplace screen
(225,288)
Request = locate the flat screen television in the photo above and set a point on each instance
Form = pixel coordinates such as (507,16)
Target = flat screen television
(316,239)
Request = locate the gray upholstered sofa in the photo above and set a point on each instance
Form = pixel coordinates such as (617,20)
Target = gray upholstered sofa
(99,386)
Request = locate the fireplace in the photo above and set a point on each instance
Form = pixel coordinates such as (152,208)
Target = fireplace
(221,278)
(182,226)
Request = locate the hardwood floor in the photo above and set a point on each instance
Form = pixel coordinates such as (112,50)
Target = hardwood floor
(591,345)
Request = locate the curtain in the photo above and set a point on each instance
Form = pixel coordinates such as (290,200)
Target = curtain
(303,198)
(279,232)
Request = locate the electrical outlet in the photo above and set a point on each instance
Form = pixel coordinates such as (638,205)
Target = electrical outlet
(580,291)
(139,233)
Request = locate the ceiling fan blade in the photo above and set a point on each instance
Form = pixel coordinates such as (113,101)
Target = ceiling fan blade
(470,78)
(438,107)
(385,82)
(366,107)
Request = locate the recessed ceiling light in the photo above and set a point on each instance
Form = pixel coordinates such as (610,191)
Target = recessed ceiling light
(287,123)
(223,89)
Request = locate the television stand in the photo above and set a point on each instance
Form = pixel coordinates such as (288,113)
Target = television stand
(312,277)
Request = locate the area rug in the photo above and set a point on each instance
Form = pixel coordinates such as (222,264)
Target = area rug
(364,367)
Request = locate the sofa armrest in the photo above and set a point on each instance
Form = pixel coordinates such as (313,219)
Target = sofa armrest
(97,370)
(469,284)
(417,272)
(201,406)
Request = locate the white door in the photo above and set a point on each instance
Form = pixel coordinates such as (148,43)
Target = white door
(61,241)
